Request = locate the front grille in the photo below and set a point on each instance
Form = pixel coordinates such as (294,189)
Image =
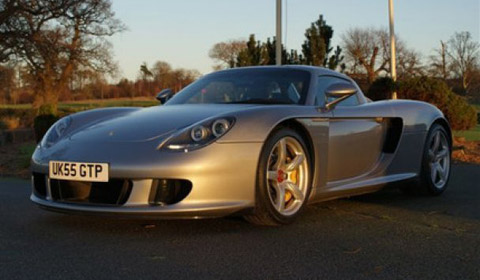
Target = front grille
(39,185)
(113,192)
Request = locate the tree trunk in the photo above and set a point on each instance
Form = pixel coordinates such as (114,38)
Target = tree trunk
(371,75)
(46,98)
(465,83)
(46,103)
(444,61)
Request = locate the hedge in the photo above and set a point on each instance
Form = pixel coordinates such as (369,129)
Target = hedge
(461,115)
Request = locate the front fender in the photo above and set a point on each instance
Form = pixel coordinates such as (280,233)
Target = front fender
(255,124)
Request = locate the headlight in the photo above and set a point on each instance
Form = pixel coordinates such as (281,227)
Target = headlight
(198,135)
(56,132)
(220,127)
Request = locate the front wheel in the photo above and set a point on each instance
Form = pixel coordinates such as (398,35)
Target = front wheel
(283,179)
(435,172)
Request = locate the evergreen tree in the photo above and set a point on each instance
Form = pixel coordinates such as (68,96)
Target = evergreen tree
(270,47)
(316,47)
(252,55)
(335,60)
(294,58)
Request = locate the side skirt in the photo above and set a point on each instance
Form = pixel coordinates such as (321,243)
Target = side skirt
(360,187)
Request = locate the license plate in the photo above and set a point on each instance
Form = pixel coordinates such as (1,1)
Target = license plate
(78,171)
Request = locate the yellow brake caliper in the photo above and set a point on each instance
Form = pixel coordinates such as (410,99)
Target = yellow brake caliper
(293,178)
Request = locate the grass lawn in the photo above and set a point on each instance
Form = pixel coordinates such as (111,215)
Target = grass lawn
(21,115)
(472,134)
(90,104)
(25,152)
(15,159)
(469,135)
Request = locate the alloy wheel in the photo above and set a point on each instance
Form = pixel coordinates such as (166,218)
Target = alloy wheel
(287,176)
(439,159)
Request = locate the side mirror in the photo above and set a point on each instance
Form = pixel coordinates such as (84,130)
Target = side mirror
(339,91)
(164,95)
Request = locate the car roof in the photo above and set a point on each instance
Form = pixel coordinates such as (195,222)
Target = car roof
(312,69)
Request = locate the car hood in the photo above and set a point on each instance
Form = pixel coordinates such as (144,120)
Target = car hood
(150,123)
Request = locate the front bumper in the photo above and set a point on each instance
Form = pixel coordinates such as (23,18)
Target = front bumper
(223,177)
(176,211)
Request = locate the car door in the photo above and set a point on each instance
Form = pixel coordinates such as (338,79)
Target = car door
(354,143)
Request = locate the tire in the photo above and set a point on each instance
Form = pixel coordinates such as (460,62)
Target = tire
(436,164)
(284,170)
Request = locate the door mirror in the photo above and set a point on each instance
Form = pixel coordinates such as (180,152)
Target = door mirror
(339,91)
(164,95)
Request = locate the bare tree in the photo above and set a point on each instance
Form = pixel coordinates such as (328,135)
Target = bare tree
(162,74)
(161,68)
(145,72)
(145,84)
(226,53)
(464,55)
(369,49)
(7,84)
(53,38)
(408,62)
(364,48)
(439,65)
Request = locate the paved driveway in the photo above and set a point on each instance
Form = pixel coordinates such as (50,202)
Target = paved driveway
(385,235)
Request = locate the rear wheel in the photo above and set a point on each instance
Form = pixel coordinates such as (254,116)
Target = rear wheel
(283,179)
(435,173)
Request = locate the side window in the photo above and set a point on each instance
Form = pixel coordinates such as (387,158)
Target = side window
(323,83)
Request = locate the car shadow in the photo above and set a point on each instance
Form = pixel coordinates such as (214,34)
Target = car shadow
(459,201)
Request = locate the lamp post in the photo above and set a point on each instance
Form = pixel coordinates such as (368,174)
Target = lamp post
(278,50)
(393,53)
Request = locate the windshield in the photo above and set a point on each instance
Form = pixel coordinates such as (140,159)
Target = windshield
(251,86)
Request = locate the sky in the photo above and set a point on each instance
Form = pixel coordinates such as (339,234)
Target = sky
(181,32)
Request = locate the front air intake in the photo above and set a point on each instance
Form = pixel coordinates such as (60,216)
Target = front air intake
(39,185)
(168,191)
(115,192)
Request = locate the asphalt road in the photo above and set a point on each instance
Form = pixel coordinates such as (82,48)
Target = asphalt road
(386,235)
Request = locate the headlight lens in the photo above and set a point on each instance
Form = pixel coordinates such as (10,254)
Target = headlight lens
(56,132)
(198,135)
(220,127)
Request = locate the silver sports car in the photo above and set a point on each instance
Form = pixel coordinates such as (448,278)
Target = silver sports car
(260,142)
